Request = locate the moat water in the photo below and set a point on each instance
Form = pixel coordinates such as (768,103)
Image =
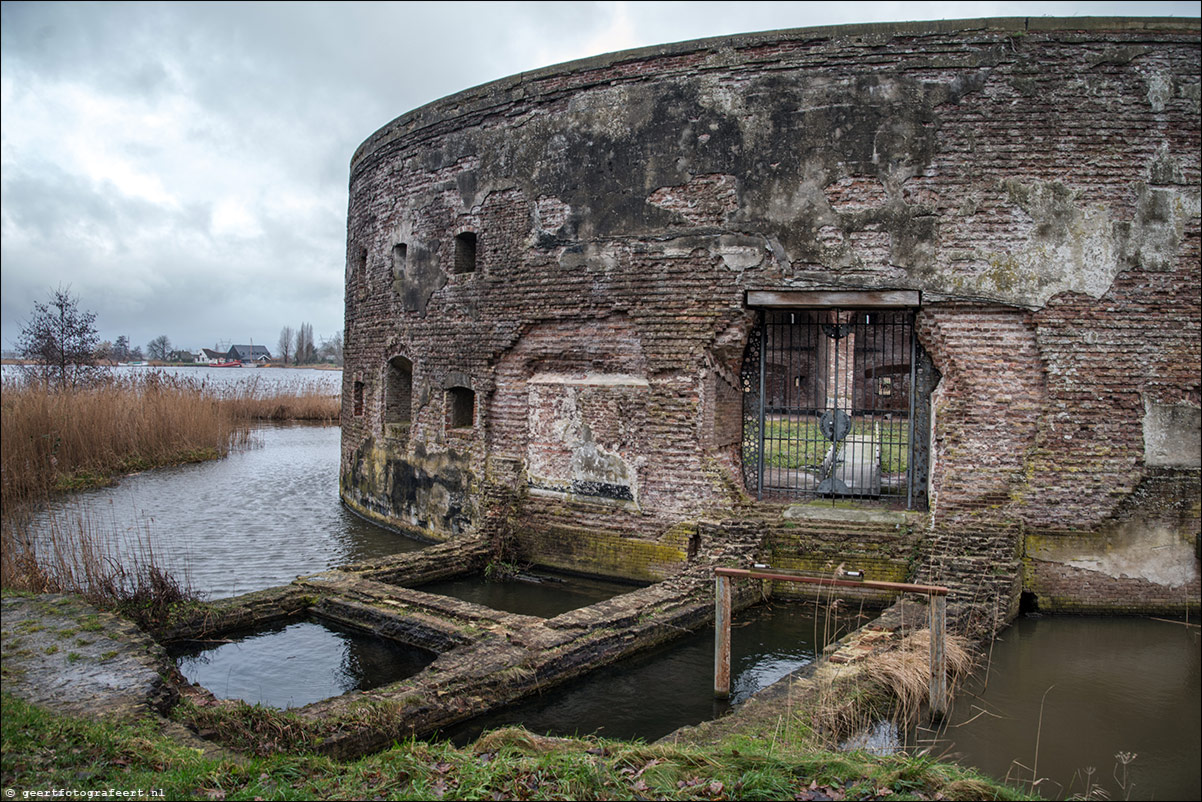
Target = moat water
(256,519)
(1061,695)
(653,693)
(538,594)
(293,664)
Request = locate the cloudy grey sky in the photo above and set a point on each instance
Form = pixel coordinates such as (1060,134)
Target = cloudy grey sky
(183,166)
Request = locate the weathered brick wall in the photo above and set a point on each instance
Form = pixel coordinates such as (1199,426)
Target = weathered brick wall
(1037,181)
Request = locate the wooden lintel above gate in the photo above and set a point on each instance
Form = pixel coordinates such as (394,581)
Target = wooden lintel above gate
(825,299)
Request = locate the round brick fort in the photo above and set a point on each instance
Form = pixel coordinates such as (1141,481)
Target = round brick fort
(917,299)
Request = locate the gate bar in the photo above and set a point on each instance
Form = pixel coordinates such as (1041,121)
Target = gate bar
(936,597)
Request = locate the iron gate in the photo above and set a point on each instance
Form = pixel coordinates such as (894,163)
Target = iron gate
(829,405)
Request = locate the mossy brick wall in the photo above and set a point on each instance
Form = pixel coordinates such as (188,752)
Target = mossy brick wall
(1036,180)
(883,552)
(598,547)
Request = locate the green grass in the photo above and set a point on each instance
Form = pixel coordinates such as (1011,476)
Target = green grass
(43,750)
(800,444)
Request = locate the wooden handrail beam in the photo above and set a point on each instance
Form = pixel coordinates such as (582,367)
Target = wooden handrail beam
(777,575)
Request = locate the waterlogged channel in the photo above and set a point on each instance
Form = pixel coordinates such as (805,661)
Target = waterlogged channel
(651,694)
(536,594)
(294,664)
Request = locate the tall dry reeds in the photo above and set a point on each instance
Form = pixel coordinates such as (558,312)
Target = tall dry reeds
(65,439)
(265,401)
(70,551)
(62,439)
(890,686)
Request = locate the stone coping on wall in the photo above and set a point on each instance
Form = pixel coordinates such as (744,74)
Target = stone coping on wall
(826,511)
(724,50)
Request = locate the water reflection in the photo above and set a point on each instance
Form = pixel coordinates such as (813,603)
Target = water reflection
(256,519)
(1062,695)
(291,665)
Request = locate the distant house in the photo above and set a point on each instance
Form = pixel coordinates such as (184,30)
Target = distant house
(250,353)
(208,356)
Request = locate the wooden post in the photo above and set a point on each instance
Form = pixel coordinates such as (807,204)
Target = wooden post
(722,637)
(938,610)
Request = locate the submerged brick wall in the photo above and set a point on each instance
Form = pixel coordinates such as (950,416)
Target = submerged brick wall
(1035,182)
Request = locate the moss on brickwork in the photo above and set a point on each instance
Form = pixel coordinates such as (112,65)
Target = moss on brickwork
(875,569)
(606,553)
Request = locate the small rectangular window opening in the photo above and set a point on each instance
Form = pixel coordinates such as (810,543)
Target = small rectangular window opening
(398,401)
(465,253)
(461,408)
(357,396)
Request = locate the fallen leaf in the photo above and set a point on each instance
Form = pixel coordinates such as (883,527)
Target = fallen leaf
(651,763)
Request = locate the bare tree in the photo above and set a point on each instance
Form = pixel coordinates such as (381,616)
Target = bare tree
(305,350)
(159,348)
(287,335)
(60,341)
(330,349)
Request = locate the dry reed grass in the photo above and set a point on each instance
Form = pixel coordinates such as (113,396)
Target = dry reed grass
(62,440)
(72,552)
(892,685)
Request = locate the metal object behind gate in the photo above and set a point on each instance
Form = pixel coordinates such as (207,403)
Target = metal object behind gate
(829,405)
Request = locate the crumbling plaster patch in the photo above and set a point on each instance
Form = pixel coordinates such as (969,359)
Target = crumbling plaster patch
(1172,435)
(1134,549)
(1071,247)
(577,431)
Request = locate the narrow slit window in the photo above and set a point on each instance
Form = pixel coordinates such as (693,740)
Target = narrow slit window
(461,408)
(357,398)
(400,253)
(465,253)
